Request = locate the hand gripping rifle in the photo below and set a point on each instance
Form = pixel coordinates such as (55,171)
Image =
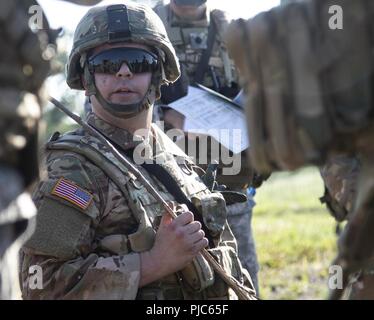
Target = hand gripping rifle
(241,291)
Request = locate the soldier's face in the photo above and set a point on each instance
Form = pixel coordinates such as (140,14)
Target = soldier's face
(124,87)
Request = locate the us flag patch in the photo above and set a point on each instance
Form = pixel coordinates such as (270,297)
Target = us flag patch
(66,190)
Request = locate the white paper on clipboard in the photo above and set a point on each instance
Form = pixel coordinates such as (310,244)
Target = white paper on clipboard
(207,113)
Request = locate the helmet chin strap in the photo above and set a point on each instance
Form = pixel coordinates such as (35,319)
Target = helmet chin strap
(124,111)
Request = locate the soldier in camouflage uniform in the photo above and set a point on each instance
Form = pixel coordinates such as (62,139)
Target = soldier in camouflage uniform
(99,233)
(309,83)
(340,175)
(188,24)
(25,64)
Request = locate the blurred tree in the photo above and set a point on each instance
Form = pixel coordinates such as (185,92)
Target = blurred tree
(55,120)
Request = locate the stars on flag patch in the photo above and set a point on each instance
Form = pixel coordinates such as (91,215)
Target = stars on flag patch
(67,190)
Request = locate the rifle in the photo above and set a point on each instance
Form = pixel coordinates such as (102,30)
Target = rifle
(241,291)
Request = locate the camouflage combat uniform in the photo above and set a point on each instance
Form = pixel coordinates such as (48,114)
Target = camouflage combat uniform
(94,216)
(91,250)
(190,40)
(340,175)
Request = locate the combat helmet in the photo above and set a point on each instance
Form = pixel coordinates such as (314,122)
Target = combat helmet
(112,24)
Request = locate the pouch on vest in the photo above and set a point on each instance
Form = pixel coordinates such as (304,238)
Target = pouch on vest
(228,259)
(198,274)
(213,209)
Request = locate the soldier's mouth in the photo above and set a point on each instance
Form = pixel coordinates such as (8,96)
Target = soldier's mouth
(124,90)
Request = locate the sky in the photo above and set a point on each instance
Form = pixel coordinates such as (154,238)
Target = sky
(67,15)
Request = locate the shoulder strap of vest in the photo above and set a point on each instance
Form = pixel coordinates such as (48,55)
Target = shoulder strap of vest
(204,60)
(163,11)
(220,19)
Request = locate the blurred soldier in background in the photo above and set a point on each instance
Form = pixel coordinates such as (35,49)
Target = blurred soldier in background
(196,33)
(308,77)
(24,65)
(340,175)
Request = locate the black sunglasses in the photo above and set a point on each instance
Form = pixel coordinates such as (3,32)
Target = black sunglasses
(110,61)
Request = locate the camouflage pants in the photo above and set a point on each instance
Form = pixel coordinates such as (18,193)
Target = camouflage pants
(239,219)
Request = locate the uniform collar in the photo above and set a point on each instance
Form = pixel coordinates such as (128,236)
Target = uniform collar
(126,140)
(123,138)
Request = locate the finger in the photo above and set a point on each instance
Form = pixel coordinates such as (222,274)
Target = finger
(193,227)
(166,219)
(196,237)
(180,208)
(200,245)
(184,218)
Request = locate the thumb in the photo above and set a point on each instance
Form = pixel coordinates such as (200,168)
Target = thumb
(166,219)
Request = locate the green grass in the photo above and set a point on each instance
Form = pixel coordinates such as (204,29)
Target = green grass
(295,236)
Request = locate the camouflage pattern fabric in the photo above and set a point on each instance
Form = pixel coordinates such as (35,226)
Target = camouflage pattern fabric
(299,84)
(340,175)
(239,217)
(361,286)
(93,252)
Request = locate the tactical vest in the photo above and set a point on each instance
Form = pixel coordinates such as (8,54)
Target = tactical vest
(195,280)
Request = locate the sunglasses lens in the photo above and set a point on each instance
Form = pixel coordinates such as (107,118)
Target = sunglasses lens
(110,61)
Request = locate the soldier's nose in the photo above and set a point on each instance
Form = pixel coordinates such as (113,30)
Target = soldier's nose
(124,71)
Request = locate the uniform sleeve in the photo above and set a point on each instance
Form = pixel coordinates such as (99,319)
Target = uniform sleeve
(61,260)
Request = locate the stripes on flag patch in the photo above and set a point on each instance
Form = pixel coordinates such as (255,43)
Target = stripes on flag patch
(66,190)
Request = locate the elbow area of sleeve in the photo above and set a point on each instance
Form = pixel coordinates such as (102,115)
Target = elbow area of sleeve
(112,278)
